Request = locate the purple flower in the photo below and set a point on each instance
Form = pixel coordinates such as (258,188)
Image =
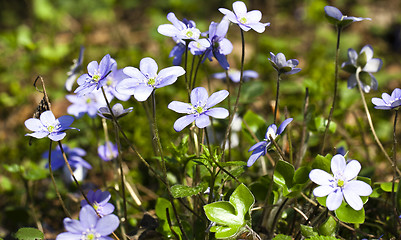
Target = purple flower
(260,148)
(108,151)
(112,80)
(235,75)
(245,20)
(99,201)
(74,157)
(96,76)
(341,184)
(366,63)
(177,52)
(118,111)
(336,17)
(200,108)
(282,65)
(49,126)
(219,46)
(388,102)
(74,70)
(89,226)
(181,30)
(86,104)
(143,81)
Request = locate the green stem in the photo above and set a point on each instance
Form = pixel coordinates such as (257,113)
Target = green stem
(335,88)
(276,103)
(395,171)
(358,70)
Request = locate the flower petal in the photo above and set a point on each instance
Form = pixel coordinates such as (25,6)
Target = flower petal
(254,16)
(184,121)
(352,56)
(65,121)
(107,224)
(217,112)
(368,51)
(351,170)
(134,73)
(199,96)
(57,136)
(283,125)
(202,121)
(40,134)
(351,81)
(88,216)
(168,76)
(148,66)
(334,199)
(180,107)
(338,164)
(358,187)
(93,67)
(216,98)
(322,191)
(255,156)
(34,124)
(321,177)
(239,8)
(229,14)
(142,92)
(73,226)
(69,236)
(353,199)
(47,118)
(168,30)
(373,65)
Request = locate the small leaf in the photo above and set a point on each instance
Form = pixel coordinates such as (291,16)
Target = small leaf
(223,213)
(302,175)
(180,191)
(242,199)
(225,232)
(13,168)
(322,238)
(322,162)
(347,214)
(398,197)
(388,186)
(282,237)
(284,174)
(28,233)
(328,228)
(161,205)
(308,231)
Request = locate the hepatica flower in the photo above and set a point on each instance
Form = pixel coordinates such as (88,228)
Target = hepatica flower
(336,17)
(200,108)
(388,102)
(260,148)
(368,65)
(118,111)
(96,76)
(86,104)
(181,30)
(99,201)
(235,75)
(143,81)
(283,66)
(341,185)
(48,126)
(108,151)
(74,157)
(89,226)
(245,20)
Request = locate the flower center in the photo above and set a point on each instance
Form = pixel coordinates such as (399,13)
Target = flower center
(340,183)
(95,206)
(90,234)
(189,34)
(96,77)
(243,20)
(88,100)
(50,128)
(109,82)
(199,109)
(152,81)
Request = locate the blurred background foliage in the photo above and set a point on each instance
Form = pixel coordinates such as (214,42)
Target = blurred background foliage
(42,37)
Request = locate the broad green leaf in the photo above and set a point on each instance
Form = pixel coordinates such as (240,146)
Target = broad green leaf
(388,186)
(347,214)
(255,123)
(322,238)
(225,232)
(180,191)
(282,237)
(322,162)
(328,228)
(284,174)
(34,172)
(302,175)
(233,163)
(13,168)
(308,231)
(161,205)
(28,233)
(242,199)
(223,213)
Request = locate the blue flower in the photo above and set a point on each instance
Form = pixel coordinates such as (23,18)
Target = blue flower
(108,151)
(388,102)
(260,148)
(336,17)
(235,75)
(99,201)
(96,76)
(367,64)
(200,108)
(180,30)
(74,157)
(143,81)
(282,65)
(341,184)
(245,20)
(112,80)
(86,104)
(74,70)
(49,126)
(118,111)
(89,226)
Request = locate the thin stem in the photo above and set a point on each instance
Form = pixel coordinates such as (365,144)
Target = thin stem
(280,152)
(395,170)
(335,88)
(196,70)
(276,104)
(302,149)
(54,183)
(229,113)
(358,70)
(238,94)
(157,139)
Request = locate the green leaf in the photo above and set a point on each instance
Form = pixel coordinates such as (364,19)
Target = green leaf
(322,162)
(255,123)
(180,191)
(28,233)
(233,163)
(328,228)
(34,172)
(302,175)
(398,197)
(388,186)
(308,231)
(251,90)
(223,213)
(282,237)
(347,214)
(242,199)
(225,232)
(322,238)
(161,205)
(13,168)
(284,174)
(362,60)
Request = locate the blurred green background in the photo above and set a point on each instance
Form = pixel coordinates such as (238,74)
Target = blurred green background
(42,37)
